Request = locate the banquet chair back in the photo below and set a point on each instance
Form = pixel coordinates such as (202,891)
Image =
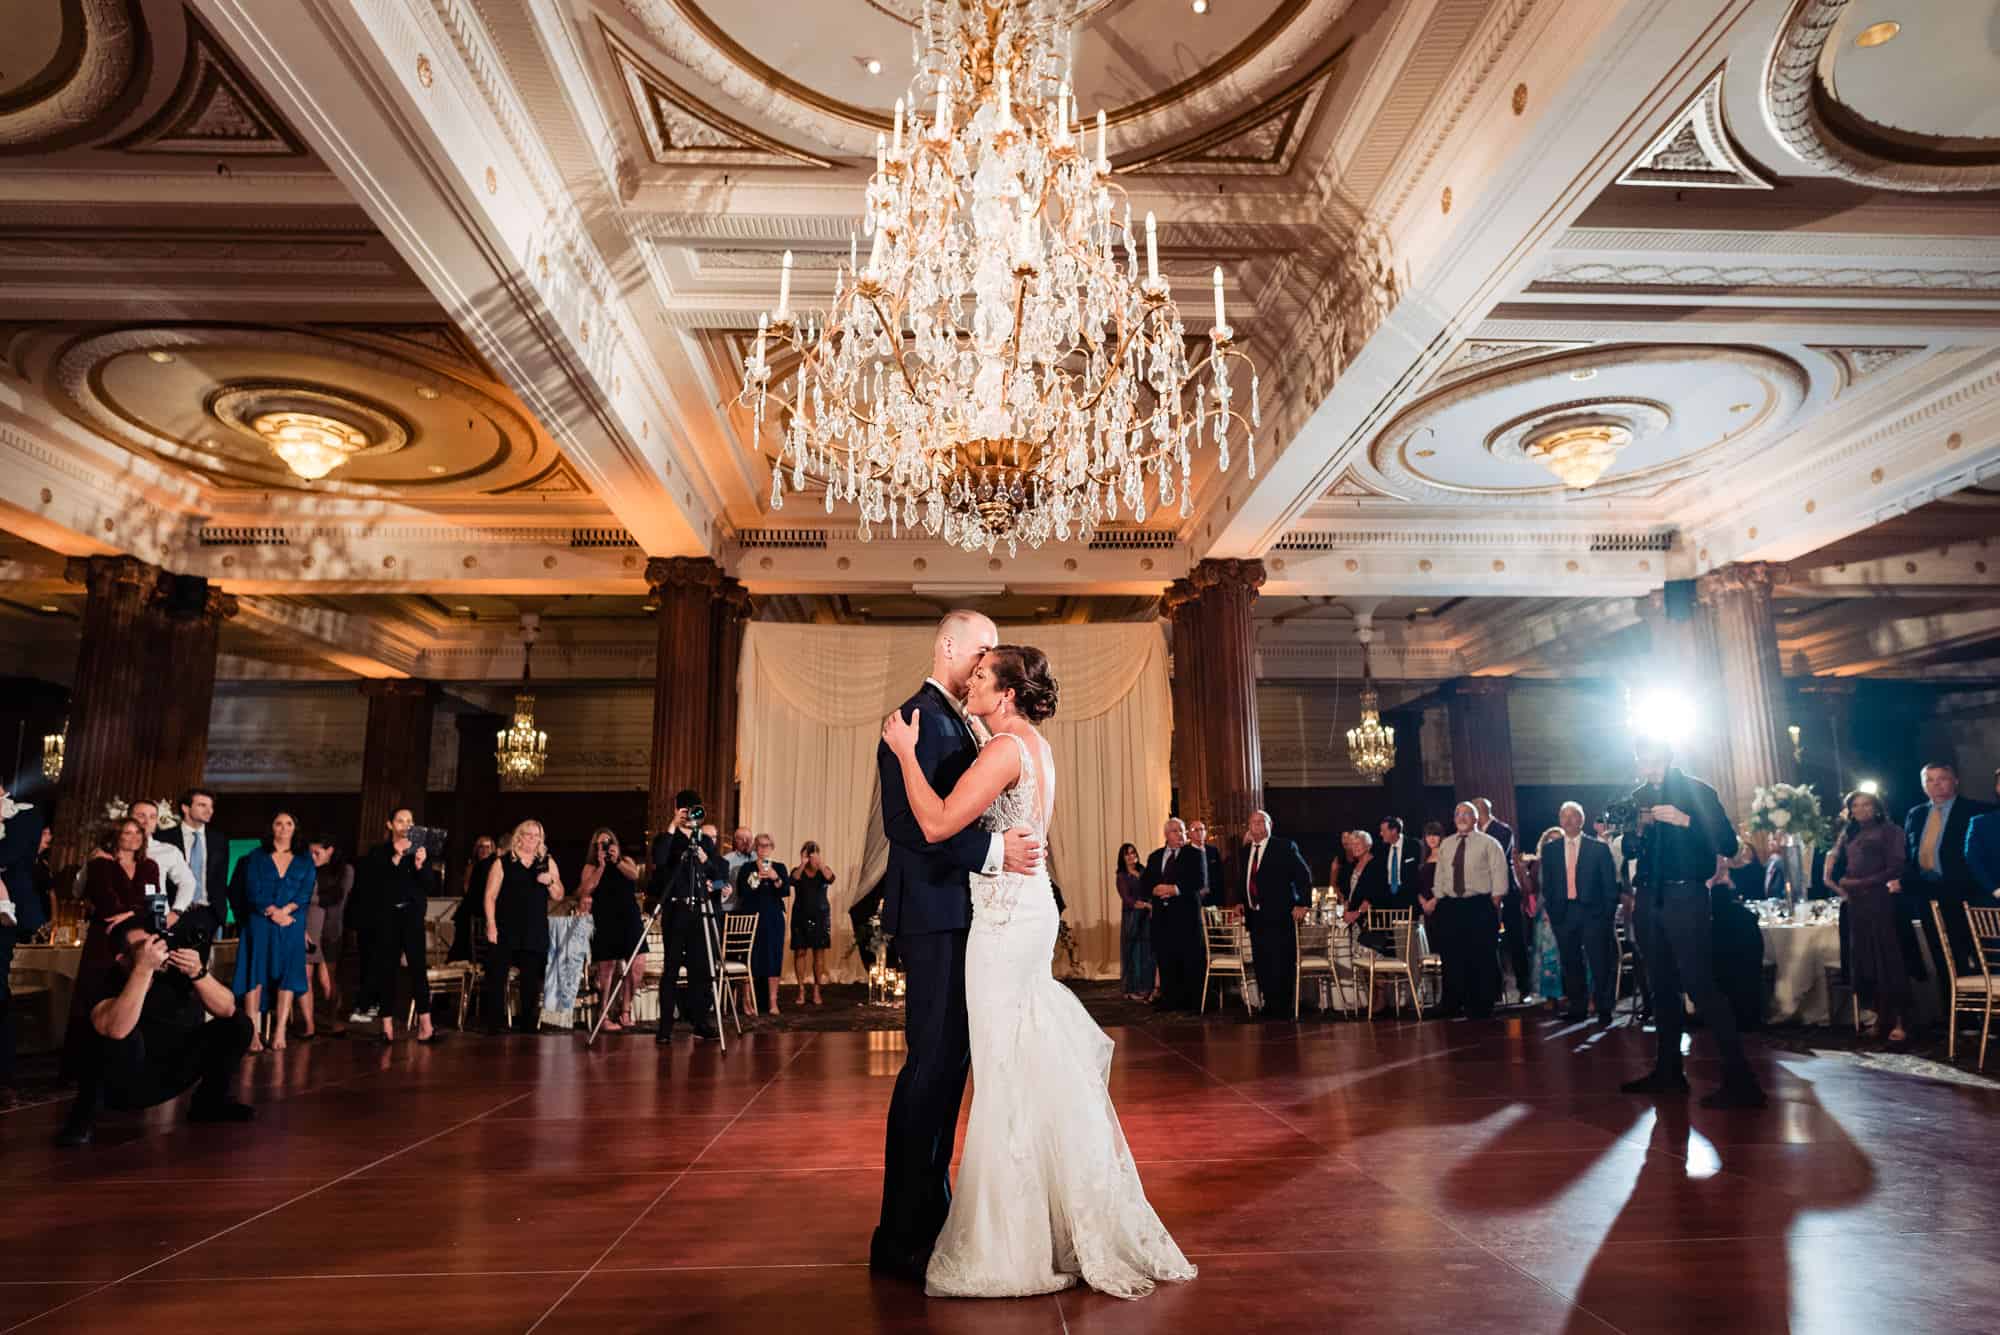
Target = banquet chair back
(1315,960)
(1227,957)
(1399,926)
(1972,993)
(739,933)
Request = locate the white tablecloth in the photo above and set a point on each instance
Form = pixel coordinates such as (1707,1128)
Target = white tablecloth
(41,1020)
(1803,952)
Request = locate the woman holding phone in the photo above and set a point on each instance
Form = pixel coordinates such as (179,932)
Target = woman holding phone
(763,884)
(812,920)
(611,879)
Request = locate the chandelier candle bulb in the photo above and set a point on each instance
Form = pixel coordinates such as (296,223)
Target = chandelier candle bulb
(1220,323)
(1062,115)
(1103,162)
(785,288)
(1006,98)
(942,129)
(1152,251)
(881,154)
(899,129)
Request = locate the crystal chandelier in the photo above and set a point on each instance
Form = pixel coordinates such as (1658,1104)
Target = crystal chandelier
(53,745)
(523,750)
(309,444)
(1371,745)
(1578,453)
(998,371)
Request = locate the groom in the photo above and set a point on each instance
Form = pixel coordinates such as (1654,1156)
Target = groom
(927,907)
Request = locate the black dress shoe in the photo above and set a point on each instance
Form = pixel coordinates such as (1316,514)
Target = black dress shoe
(664,1035)
(1738,1095)
(1574,1017)
(702,1035)
(1656,1082)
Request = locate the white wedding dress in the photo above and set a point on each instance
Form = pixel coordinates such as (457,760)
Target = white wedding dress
(1047,1190)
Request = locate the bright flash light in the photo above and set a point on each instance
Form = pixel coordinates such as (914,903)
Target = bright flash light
(1870,787)
(1662,715)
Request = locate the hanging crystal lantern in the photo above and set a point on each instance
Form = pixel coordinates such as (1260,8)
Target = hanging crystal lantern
(522,751)
(1371,745)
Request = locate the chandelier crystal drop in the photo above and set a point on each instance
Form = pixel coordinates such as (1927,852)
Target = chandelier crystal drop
(1371,745)
(1000,369)
(522,751)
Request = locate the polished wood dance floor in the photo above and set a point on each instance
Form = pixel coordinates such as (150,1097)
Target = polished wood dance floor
(1346,1178)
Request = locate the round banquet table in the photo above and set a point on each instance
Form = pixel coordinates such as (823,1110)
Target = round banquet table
(1802,952)
(41,1020)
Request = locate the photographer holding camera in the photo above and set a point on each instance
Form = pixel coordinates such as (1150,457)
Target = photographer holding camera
(151,1035)
(1682,830)
(687,900)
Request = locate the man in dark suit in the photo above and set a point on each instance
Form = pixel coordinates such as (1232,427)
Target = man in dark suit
(1580,883)
(1937,870)
(927,907)
(1179,880)
(205,848)
(1277,891)
(1400,857)
(688,898)
(1982,851)
(19,843)
(1513,924)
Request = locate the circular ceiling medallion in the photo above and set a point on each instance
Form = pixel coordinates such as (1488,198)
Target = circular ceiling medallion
(229,395)
(1653,416)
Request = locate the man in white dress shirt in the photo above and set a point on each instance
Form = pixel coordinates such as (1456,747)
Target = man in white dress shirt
(167,857)
(1465,915)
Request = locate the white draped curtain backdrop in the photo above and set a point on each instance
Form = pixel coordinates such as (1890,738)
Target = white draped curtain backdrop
(813,699)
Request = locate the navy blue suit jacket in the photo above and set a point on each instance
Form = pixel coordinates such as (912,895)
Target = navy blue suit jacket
(1982,851)
(1596,877)
(927,888)
(17,867)
(1956,875)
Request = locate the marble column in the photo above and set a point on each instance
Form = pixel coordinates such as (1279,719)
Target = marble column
(1752,698)
(1190,758)
(190,615)
(1227,680)
(727,616)
(395,755)
(475,799)
(685,588)
(1482,745)
(103,758)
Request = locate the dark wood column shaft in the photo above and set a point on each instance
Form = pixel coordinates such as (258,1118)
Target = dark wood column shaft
(104,757)
(476,796)
(396,754)
(727,616)
(1482,744)
(192,617)
(1190,756)
(1228,683)
(685,587)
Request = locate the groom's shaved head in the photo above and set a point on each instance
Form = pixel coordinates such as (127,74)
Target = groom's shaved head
(965,624)
(962,636)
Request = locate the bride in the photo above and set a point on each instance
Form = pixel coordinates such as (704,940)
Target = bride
(1047,1189)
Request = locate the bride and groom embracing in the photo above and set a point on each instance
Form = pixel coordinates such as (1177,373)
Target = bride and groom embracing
(1047,1189)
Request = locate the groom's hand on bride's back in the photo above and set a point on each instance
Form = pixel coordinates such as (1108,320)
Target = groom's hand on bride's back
(1022,851)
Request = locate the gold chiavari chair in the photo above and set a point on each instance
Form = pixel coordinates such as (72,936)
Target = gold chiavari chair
(739,933)
(1228,956)
(1400,926)
(1315,959)
(1972,994)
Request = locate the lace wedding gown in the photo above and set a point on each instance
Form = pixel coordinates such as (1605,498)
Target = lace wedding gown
(1047,1190)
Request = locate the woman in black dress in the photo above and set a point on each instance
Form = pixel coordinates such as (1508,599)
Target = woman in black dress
(812,919)
(523,883)
(762,886)
(613,881)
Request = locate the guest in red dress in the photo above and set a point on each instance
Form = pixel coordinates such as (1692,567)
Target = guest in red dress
(116,881)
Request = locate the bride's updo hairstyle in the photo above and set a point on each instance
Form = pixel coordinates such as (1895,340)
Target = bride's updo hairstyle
(1024,670)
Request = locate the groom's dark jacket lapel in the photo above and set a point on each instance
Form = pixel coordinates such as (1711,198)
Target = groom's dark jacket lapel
(927,889)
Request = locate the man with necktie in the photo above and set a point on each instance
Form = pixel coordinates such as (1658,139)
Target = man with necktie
(1935,831)
(1277,891)
(1580,884)
(206,851)
(1398,867)
(1174,878)
(1464,909)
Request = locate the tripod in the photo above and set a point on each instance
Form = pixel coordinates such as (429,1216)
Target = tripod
(705,910)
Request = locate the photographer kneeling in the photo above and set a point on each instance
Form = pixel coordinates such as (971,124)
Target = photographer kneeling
(150,1036)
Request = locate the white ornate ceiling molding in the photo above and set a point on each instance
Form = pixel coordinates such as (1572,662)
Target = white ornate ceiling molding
(1695,151)
(1857,364)
(1560,273)
(1292,35)
(1263,141)
(1442,555)
(1686,406)
(1353,486)
(1826,134)
(187,395)
(558,479)
(90,72)
(213,111)
(1485,354)
(681,130)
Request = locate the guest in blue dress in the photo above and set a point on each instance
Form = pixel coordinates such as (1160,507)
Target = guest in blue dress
(278,885)
(763,885)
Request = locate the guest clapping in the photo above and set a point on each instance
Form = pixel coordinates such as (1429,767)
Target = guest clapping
(610,881)
(762,886)
(522,884)
(278,884)
(812,920)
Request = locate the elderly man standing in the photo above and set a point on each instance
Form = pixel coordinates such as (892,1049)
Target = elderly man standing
(1464,909)
(1277,891)
(1580,883)
(1173,879)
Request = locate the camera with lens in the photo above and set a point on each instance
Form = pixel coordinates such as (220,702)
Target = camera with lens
(1622,816)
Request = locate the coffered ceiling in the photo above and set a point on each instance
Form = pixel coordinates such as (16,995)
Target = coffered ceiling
(1753,261)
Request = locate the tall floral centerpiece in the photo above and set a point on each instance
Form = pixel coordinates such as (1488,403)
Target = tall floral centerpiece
(1791,812)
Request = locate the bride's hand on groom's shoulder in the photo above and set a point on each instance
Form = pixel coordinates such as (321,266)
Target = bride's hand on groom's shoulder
(900,734)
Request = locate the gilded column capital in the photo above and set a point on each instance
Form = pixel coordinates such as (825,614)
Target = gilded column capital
(1179,599)
(1758,577)
(100,574)
(1231,573)
(682,572)
(735,598)
(391,687)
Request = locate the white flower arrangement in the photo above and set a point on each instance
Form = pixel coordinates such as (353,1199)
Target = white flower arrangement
(1789,809)
(9,808)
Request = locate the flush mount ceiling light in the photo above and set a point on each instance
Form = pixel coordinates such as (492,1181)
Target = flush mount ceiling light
(310,445)
(161,357)
(1877,34)
(1579,453)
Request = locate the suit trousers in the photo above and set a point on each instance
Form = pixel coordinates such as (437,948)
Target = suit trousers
(1274,952)
(1466,940)
(1178,950)
(1676,925)
(1519,935)
(398,940)
(533,962)
(681,929)
(923,1111)
(1584,935)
